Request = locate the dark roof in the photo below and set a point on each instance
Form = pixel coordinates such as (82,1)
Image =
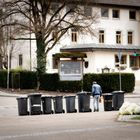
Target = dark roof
(70,55)
(102,47)
(123,3)
(135,3)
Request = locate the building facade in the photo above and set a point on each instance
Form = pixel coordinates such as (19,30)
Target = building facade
(115,46)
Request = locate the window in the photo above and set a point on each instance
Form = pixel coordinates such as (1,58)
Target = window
(55,62)
(101,36)
(116,14)
(70,8)
(123,62)
(118,37)
(87,11)
(54,8)
(20,57)
(134,61)
(130,37)
(73,35)
(104,12)
(132,15)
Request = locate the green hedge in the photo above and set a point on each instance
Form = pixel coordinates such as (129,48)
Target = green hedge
(28,80)
(51,82)
(3,78)
(69,86)
(110,81)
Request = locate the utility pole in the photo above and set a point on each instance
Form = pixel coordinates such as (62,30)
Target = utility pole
(120,81)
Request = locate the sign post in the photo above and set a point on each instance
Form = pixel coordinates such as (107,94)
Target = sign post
(120,81)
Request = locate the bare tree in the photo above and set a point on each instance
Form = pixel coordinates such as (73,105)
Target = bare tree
(47,17)
(4,39)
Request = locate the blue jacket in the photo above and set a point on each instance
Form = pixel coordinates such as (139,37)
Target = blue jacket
(96,90)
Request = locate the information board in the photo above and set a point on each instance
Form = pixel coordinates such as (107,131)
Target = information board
(70,70)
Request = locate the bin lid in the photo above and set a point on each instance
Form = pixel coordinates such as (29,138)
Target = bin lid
(46,97)
(34,94)
(105,94)
(71,96)
(118,92)
(21,98)
(57,97)
(84,92)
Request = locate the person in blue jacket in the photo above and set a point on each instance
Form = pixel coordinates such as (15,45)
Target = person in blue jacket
(96,93)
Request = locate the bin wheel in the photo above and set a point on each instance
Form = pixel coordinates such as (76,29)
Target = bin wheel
(90,110)
(75,110)
(52,112)
(63,111)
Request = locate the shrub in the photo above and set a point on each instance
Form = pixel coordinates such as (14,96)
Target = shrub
(49,82)
(110,81)
(70,86)
(28,80)
(3,78)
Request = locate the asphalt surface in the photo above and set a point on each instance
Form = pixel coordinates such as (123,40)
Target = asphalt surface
(82,126)
(67,126)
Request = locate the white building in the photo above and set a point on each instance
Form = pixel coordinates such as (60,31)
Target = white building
(118,34)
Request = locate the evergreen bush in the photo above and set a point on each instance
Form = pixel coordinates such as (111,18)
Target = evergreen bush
(50,82)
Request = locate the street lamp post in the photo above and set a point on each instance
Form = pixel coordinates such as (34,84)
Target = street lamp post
(8,69)
(120,81)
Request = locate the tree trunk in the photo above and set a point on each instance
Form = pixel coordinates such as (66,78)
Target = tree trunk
(41,59)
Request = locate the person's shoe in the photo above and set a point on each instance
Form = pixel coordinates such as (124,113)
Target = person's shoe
(95,110)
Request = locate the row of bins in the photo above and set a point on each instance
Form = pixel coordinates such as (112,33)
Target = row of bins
(35,102)
(112,101)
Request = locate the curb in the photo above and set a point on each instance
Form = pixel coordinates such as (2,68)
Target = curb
(128,118)
(4,94)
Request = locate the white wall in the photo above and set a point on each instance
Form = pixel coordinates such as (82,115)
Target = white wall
(97,59)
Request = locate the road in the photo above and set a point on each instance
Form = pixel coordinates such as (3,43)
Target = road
(82,126)
(69,126)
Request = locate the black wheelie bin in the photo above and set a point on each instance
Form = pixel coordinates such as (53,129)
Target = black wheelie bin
(108,101)
(84,101)
(58,104)
(22,106)
(47,104)
(118,99)
(70,104)
(35,104)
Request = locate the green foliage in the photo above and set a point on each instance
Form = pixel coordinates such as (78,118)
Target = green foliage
(110,81)
(69,86)
(3,78)
(28,80)
(23,79)
(51,82)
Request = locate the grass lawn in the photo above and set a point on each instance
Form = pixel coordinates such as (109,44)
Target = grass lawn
(136,118)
